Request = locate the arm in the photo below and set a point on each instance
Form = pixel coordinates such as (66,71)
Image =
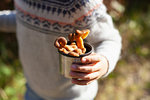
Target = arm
(8,21)
(107,44)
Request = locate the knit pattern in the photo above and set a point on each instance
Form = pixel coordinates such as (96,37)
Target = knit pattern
(64,8)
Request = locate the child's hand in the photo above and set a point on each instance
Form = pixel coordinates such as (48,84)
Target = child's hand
(93,68)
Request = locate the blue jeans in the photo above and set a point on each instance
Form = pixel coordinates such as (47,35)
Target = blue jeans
(31,95)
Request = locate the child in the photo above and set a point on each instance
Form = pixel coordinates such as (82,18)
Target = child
(39,23)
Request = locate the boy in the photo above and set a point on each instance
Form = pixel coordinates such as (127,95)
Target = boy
(39,23)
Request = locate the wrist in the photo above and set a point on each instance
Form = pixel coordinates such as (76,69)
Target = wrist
(106,64)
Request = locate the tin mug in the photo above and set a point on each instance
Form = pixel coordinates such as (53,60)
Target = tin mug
(67,60)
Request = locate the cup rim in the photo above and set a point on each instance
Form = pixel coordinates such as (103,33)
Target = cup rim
(87,45)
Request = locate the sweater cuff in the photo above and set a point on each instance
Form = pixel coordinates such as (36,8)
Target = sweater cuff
(112,61)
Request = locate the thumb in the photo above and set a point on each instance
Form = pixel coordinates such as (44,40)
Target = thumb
(90,58)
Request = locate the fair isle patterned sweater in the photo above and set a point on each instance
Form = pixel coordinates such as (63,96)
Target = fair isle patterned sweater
(40,22)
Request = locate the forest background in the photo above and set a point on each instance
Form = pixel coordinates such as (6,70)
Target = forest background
(131,78)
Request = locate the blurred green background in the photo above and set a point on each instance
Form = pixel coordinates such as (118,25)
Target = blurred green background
(131,78)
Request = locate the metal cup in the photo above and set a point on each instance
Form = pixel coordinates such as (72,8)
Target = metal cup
(67,60)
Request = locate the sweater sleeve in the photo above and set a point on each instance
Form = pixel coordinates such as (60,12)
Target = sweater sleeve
(8,21)
(106,39)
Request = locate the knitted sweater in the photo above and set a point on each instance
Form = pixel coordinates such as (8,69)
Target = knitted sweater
(39,22)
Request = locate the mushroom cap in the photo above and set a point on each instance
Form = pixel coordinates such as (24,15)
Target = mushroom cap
(83,34)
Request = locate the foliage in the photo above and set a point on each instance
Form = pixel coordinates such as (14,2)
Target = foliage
(130,79)
(11,77)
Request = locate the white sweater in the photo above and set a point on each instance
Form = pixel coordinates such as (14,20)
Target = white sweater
(40,22)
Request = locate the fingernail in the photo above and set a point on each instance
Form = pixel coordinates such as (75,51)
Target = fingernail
(83,60)
(74,66)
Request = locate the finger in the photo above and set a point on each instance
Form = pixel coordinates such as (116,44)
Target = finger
(90,58)
(84,76)
(81,82)
(89,68)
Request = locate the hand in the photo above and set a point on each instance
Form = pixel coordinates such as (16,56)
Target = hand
(94,66)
